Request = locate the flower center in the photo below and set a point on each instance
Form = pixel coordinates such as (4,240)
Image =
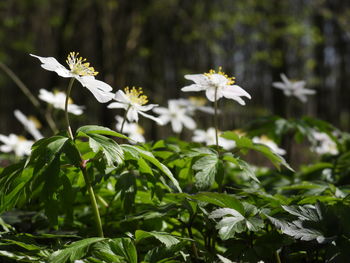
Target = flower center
(134,95)
(197,101)
(78,65)
(140,130)
(230,80)
(35,121)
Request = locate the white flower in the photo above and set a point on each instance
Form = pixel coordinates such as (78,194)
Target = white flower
(293,88)
(208,137)
(216,82)
(269,143)
(31,124)
(133,130)
(17,144)
(133,102)
(323,144)
(81,71)
(57,100)
(177,115)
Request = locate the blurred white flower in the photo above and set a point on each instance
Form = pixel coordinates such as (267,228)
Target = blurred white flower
(293,88)
(323,144)
(195,103)
(269,143)
(81,71)
(132,130)
(57,100)
(31,124)
(177,115)
(208,137)
(219,83)
(133,102)
(17,144)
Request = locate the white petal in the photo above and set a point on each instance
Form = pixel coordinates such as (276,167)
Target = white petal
(51,64)
(132,115)
(193,87)
(210,93)
(176,125)
(189,123)
(285,79)
(279,85)
(156,119)
(117,105)
(147,107)
(121,97)
(98,88)
(200,79)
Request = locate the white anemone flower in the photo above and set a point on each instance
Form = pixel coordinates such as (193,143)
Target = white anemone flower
(81,71)
(219,83)
(17,144)
(31,124)
(264,140)
(293,88)
(134,103)
(208,137)
(323,143)
(133,130)
(177,115)
(57,100)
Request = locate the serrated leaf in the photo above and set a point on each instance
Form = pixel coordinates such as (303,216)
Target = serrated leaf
(74,251)
(110,149)
(206,168)
(165,238)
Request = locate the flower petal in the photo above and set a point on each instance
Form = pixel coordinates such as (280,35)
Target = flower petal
(156,119)
(117,105)
(51,64)
(98,88)
(132,115)
(193,87)
(176,125)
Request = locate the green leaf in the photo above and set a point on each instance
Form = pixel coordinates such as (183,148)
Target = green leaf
(246,143)
(136,151)
(74,251)
(219,199)
(165,238)
(206,169)
(110,149)
(94,129)
(124,247)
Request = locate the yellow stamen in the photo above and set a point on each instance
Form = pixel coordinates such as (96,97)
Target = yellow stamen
(198,101)
(230,80)
(134,95)
(140,130)
(35,121)
(78,65)
(21,138)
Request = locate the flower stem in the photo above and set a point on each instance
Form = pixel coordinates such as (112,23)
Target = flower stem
(93,201)
(83,168)
(216,118)
(69,130)
(126,112)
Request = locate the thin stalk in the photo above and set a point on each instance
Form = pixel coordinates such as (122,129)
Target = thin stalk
(216,118)
(93,202)
(278,259)
(126,112)
(69,129)
(92,197)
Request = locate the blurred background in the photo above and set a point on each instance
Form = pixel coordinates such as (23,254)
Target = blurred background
(153,43)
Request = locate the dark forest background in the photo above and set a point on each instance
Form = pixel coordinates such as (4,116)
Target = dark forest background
(153,43)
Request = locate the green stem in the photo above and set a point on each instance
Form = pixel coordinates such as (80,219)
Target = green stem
(83,168)
(69,129)
(278,259)
(126,112)
(216,118)
(93,202)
